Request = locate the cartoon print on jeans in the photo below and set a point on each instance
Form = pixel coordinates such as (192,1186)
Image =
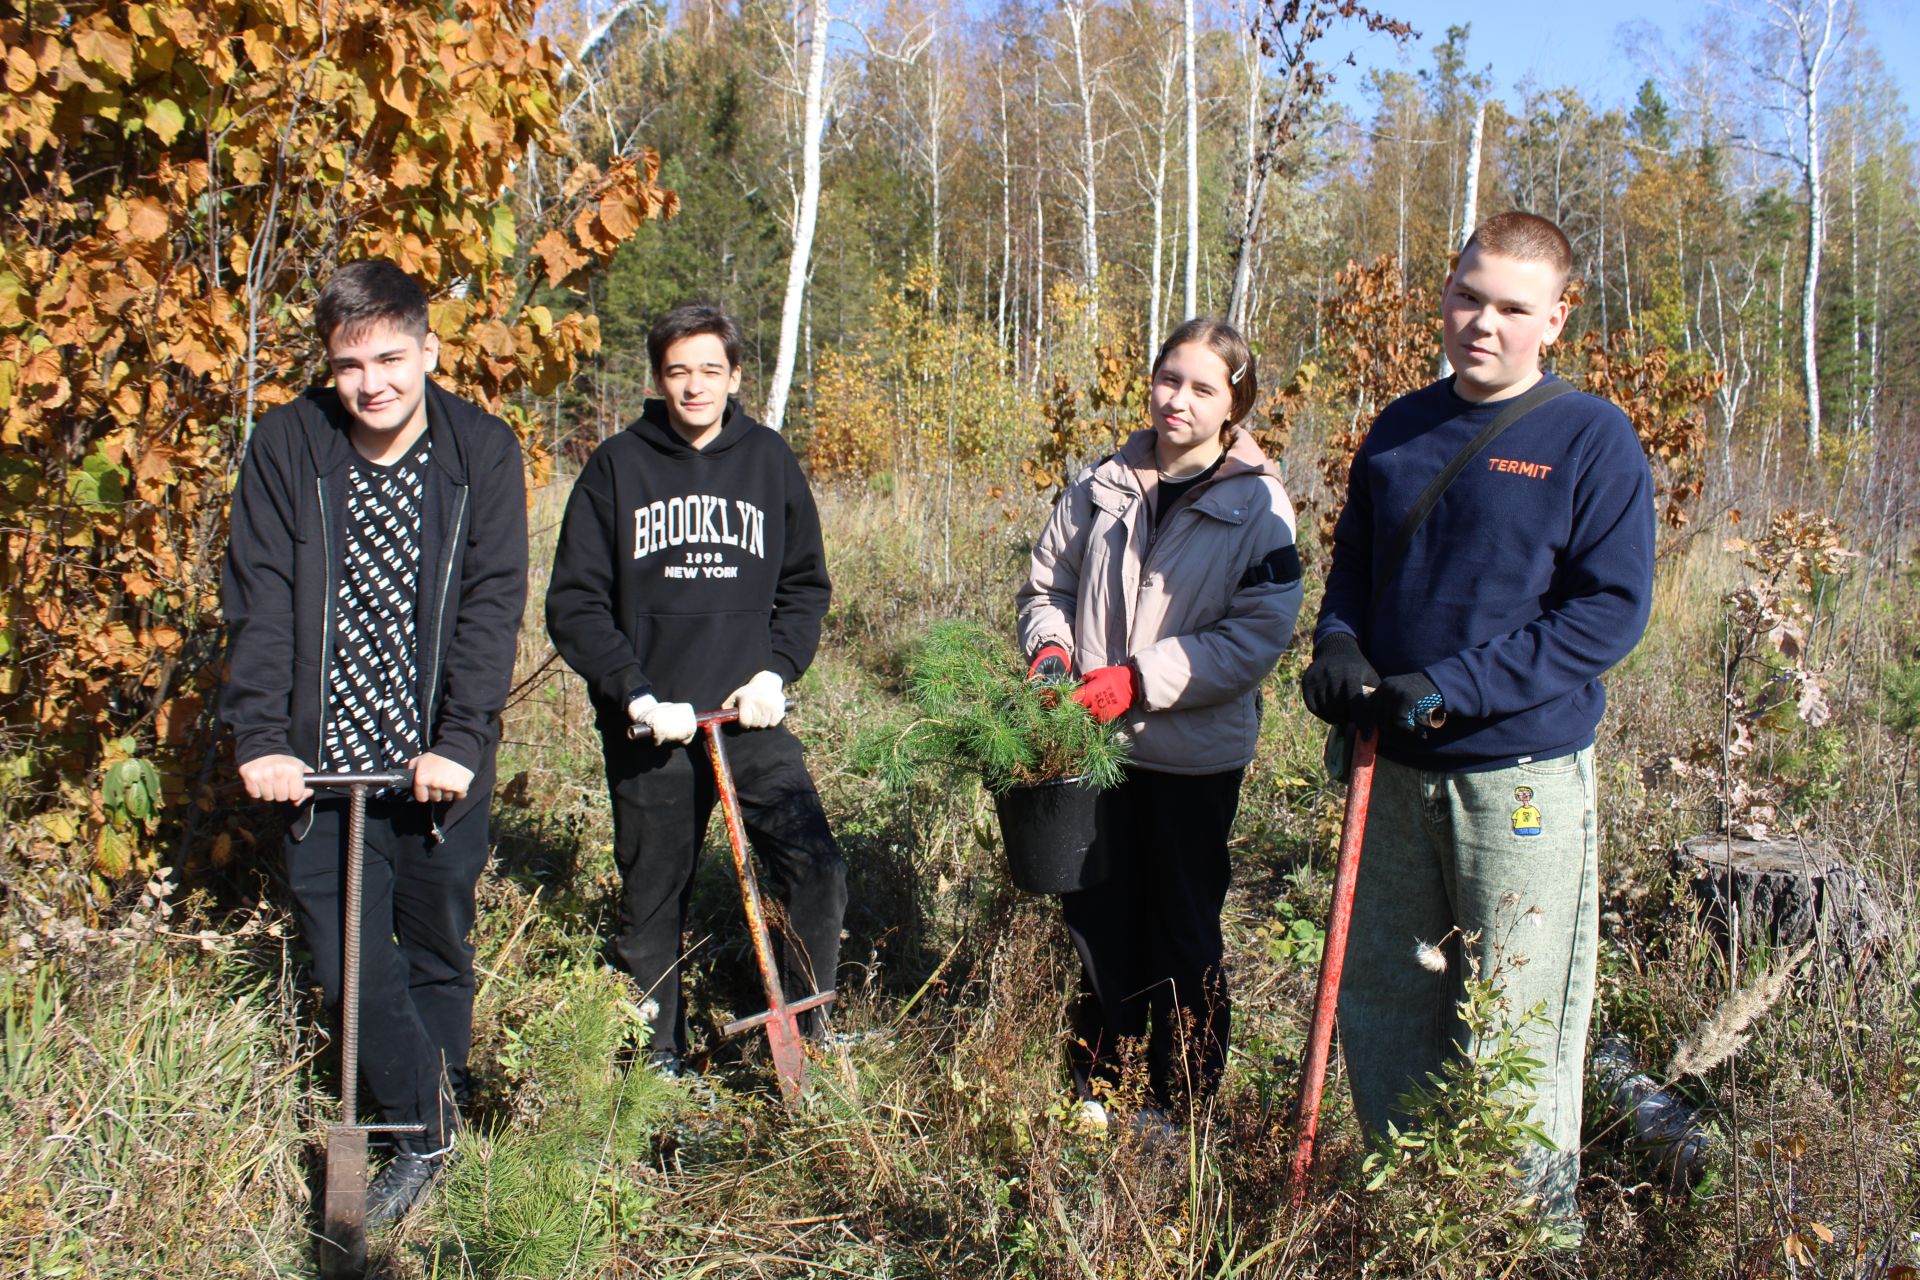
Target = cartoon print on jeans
(1526,819)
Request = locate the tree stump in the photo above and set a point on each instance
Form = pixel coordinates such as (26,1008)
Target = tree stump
(1780,893)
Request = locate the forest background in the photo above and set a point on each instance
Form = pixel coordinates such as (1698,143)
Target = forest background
(954,236)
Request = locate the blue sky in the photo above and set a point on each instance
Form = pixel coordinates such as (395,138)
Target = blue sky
(1593,47)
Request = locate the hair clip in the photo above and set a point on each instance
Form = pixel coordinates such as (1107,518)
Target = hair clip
(1234,380)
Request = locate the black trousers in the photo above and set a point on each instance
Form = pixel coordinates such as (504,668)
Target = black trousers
(416,966)
(1149,936)
(663,798)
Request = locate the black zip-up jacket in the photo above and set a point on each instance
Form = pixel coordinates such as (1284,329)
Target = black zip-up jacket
(684,572)
(285,557)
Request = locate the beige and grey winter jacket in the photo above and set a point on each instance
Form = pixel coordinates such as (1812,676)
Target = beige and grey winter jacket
(1202,605)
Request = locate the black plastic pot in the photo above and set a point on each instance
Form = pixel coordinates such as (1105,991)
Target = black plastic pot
(1049,831)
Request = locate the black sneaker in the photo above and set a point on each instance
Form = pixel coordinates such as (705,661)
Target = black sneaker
(401,1185)
(667,1063)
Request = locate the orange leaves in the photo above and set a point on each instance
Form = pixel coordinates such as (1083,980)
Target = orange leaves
(1666,404)
(193,169)
(558,257)
(609,207)
(142,219)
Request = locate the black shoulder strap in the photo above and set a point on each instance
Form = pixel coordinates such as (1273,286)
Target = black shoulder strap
(1522,405)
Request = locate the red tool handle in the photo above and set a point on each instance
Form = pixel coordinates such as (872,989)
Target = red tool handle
(1332,960)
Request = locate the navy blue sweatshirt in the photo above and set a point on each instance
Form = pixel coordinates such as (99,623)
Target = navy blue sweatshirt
(684,572)
(1530,578)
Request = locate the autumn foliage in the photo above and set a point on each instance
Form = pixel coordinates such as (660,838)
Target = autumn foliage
(179,179)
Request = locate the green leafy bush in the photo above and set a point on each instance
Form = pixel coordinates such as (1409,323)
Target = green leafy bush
(1453,1200)
(972,710)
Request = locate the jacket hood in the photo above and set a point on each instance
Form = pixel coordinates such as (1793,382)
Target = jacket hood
(327,425)
(657,429)
(1243,457)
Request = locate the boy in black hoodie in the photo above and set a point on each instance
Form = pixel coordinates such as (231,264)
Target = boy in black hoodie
(690,575)
(375,576)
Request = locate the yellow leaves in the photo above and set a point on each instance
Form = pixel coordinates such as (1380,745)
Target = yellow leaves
(21,73)
(12,294)
(258,44)
(246,165)
(107,47)
(165,119)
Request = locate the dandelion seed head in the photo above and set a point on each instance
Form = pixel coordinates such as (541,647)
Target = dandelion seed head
(1429,957)
(1534,918)
(1509,899)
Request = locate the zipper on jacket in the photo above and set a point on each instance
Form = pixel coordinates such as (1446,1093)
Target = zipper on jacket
(439,618)
(326,642)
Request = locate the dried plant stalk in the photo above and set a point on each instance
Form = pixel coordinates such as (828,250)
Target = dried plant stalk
(1724,1031)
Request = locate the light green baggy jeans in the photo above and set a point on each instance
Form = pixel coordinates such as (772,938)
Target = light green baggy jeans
(1512,855)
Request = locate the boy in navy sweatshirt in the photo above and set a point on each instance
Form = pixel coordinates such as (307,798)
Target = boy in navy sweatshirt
(690,575)
(1531,576)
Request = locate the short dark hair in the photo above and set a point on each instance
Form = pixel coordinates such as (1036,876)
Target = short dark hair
(1525,237)
(687,320)
(1224,341)
(366,293)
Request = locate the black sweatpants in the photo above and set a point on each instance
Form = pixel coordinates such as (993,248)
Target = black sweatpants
(416,966)
(1149,935)
(663,798)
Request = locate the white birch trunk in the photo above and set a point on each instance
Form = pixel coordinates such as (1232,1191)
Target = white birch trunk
(1193,172)
(809,213)
(1089,169)
(1470,203)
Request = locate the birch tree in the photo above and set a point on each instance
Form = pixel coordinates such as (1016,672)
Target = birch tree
(806,209)
(1086,179)
(1286,33)
(1799,41)
(1193,166)
(1157,59)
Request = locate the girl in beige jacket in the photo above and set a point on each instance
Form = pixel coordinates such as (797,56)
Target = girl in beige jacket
(1168,579)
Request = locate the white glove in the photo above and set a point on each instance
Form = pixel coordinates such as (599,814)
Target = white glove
(671,722)
(762,701)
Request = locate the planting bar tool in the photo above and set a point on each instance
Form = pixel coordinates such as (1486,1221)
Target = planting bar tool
(344,1217)
(1332,960)
(781,1019)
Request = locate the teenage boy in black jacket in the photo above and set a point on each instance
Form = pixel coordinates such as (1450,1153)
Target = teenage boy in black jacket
(690,576)
(374,583)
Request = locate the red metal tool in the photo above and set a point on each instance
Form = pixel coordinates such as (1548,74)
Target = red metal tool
(344,1215)
(1332,960)
(781,1018)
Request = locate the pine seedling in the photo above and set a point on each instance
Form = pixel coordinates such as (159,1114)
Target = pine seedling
(970,709)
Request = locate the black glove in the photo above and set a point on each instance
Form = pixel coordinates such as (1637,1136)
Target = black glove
(1336,684)
(1410,703)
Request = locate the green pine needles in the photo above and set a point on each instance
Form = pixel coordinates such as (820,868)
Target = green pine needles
(973,711)
(555,1196)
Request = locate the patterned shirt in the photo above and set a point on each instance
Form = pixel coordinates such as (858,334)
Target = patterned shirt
(373,713)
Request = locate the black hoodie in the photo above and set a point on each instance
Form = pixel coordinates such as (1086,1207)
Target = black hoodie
(684,572)
(285,558)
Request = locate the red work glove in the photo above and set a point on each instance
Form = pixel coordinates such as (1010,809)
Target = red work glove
(1107,692)
(1051,662)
